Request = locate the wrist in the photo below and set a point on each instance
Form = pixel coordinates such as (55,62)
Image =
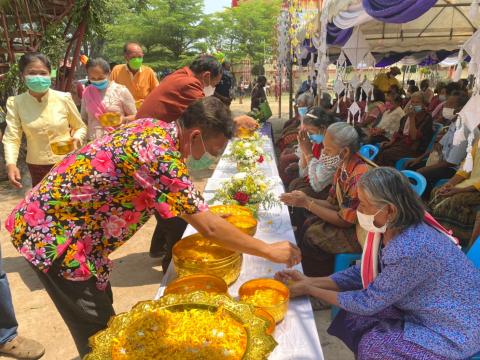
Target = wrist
(11,166)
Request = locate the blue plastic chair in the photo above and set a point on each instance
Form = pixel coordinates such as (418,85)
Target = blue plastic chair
(400,164)
(342,262)
(418,181)
(441,182)
(368,151)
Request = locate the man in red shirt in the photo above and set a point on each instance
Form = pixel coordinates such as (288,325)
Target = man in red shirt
(167,102)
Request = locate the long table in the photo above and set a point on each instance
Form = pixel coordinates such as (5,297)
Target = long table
(296,335)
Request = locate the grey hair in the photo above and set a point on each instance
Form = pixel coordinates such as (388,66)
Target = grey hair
(387,186)
(345,135)
(306,98)
(421,95)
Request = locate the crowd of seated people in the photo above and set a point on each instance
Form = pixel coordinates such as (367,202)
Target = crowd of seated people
(320,167)
(413,129)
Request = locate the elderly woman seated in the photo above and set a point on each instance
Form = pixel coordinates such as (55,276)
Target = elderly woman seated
(413,136)
(305,171)
(456,203)
(416,295)
(332,229)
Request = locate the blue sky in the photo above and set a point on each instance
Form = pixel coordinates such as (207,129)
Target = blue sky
(216,5)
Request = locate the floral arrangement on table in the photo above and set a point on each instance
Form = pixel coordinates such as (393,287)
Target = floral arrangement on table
(247,152)
(247,189)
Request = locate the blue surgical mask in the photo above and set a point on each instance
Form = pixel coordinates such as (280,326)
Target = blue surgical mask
(316,138)
(302,111)
(418,108)
(38,83)
(100,84)
(203,163)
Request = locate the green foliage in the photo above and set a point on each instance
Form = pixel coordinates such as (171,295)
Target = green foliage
(246,30)
(11,84)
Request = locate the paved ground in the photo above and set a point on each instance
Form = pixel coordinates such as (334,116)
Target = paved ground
(136,277)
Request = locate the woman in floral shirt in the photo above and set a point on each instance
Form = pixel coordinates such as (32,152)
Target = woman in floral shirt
(98,197)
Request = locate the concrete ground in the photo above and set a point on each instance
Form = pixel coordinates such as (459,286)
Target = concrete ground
(136,277)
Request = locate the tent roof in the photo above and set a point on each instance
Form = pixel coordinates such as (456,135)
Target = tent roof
(446,26)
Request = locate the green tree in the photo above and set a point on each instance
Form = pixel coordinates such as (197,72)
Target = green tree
(246,30)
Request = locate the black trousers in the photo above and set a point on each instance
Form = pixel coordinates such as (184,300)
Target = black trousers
(85,309)
(167,233)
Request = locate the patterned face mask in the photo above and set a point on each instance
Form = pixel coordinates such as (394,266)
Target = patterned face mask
(330,161)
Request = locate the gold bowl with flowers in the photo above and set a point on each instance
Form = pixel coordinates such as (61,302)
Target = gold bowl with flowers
(191,326)
(110,119)
(267,294)
(239,216)
(63,146)
(199,282)
(196,254)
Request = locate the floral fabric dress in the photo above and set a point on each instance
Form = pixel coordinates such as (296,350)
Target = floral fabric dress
(98,197)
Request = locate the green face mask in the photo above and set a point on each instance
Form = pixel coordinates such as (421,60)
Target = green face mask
(135,63)
(203,163)
(38,83)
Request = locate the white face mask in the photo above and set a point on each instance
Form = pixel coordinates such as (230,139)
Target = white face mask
(330,161)
(448,113)
(209,90)
(367,222)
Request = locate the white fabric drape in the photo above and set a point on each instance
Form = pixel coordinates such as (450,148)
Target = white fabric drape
(353,16)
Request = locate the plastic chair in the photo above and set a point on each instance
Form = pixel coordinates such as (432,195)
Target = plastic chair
(400,164)
(342,262)
(418,181)
(368,151)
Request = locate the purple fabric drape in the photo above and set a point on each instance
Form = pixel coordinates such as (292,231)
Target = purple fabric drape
(397,11)
(308,44)
(337,36)
(392,59)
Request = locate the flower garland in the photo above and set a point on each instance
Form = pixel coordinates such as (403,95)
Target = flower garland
(247,189)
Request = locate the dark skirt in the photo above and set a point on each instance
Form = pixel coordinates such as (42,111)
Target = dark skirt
(38,172)
(378,337)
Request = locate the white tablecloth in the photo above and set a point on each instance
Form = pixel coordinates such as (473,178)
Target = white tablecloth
(296,335)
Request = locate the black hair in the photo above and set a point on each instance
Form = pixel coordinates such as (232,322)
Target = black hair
(127,44)
(425,83)
(396,98)
(102,63)
(261,80)
(319,118)
(378,95)
(28,58)
(453,86)
(210,115)
(411,82)
(413,89)
(206,63)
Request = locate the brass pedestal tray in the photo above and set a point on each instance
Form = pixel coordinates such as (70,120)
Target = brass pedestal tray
(191,326)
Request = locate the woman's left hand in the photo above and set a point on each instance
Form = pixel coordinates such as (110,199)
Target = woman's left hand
(295,198)
(77,144)
(454,190)
(304,142)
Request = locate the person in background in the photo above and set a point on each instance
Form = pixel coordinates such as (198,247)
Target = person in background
(383,81)
(439,97)
(223,90)
(139,79)
(332,228)
(447,155)
(42,114)
(104,95)
(413,136)
(258,93)
(450,88)
(375,109)
(456,203)
(390,121)
(416,297)
(341,105)
(105,192)
(425,88)
(167,102)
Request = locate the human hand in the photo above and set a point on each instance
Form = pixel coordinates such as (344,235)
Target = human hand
(304,142)
(298,284)
(14,176)
(287,276)
(384,144)
(77,144)
(295,198)
(450,191)
(412,162)
(284,252)
(245,121)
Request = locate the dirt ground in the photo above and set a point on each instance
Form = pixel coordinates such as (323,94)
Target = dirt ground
(135,277)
